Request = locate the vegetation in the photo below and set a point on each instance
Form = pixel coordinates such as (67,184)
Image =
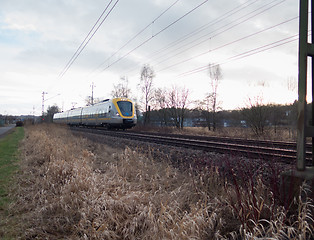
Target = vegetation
(121,89)
(8,167)
(50,112)
(70,188)
(210,102)
(273,122)
(147,87)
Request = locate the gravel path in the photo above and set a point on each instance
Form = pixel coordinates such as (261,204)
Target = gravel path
(5,130)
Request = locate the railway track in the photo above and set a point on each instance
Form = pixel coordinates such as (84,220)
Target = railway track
(268,150)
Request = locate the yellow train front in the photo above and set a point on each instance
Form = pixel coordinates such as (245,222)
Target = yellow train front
(110,113)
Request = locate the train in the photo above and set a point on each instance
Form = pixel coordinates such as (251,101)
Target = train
(118,113)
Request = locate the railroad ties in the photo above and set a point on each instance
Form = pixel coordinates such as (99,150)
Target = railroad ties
(267,150)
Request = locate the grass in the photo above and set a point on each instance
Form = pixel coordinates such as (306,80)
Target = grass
(8,161)
(71,188)
(8,167)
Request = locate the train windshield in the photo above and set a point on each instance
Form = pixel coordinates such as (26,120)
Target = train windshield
(125,108)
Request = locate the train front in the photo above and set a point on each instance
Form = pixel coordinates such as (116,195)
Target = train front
(125,113)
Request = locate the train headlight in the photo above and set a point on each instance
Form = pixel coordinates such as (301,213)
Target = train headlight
(117,114)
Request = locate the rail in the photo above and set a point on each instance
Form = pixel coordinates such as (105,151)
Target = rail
(267,150)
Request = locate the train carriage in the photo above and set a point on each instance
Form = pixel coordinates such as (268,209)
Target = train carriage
(74,116)
(111,113)
(60,117)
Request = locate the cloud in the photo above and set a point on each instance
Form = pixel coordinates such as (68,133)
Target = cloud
(38,38)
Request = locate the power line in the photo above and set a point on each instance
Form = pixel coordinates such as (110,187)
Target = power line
(147,40)
(140,32)
(69,62)
(90,35)
(225,30)
(203,27)
(199,29)
(245,54)
(243,18)
(230,43)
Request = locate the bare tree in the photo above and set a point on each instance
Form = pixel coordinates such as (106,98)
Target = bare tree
(292,84)
(160,104)
(211,102)
(146,84)
(89,101)
(121,89)
(177,104)
(183,101)
(206,109)
(256,114)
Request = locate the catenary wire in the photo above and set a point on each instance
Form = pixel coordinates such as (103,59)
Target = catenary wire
(91,36)
(246,18)
(203,27)
(245,54)
(154,35)
(224,30)
(140,32)
(228,44)
(198,30)
(85,39)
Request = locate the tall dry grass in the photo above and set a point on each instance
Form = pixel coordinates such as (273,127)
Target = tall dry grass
(71,188)
(279,134)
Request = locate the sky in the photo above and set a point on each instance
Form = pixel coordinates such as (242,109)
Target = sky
(253,41)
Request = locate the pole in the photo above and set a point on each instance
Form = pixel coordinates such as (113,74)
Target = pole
(312,24)
(43,103)
(33,114)
(93,92)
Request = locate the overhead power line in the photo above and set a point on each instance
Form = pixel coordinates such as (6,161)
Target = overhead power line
(203,27)
(140,32)
(228,44)
(198,30)
(245,54)
(154,35)
(88,37)
(78,49)
(225,28)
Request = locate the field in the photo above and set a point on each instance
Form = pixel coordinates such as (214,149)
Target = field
(72,188)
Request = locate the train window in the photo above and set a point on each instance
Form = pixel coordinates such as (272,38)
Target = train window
(125,108)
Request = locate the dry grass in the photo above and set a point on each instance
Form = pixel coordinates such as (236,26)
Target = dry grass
(70,188)
(281,133)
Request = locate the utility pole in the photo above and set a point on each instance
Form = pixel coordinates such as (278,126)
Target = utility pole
(73,104)
(43,103)
(92,86)
(293,179)
(33,114)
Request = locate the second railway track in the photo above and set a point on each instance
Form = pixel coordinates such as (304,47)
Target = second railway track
(268,150)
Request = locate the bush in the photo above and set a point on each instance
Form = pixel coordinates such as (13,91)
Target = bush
(19,124)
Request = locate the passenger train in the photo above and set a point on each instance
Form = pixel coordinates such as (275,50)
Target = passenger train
(110,113)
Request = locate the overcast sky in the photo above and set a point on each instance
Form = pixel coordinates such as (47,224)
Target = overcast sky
(254,41)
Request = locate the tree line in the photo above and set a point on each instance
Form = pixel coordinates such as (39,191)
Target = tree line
(171,106)
(172,102)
